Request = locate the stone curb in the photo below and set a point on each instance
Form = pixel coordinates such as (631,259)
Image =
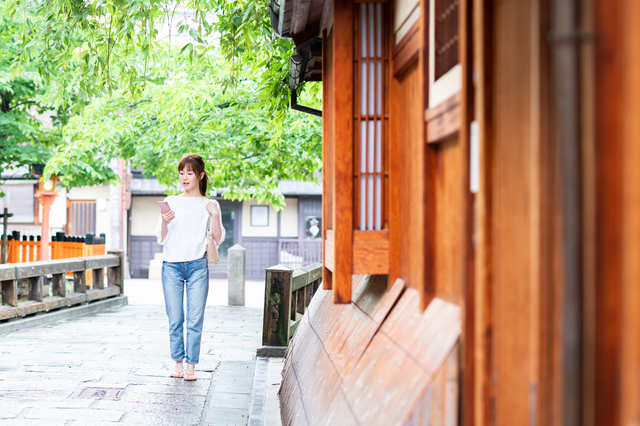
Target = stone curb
(272,351)
(66,313)
(259,393)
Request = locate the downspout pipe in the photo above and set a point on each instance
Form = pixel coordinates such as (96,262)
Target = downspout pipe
(565,39)
(295,71)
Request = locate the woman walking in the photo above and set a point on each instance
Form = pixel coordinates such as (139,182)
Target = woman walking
(181,230)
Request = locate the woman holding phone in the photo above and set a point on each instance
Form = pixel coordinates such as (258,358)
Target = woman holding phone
(181,231)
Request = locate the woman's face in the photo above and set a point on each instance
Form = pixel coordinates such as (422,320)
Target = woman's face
(188,179)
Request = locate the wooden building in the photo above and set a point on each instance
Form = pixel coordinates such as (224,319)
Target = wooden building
(481,213)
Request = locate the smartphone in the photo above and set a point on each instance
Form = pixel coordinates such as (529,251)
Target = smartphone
(164,206)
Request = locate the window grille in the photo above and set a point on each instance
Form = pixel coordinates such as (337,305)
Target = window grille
(446,32)
(371,115)
(82,217)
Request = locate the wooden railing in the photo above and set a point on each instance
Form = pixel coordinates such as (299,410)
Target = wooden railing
(299,253)
(288,293)
(34,274)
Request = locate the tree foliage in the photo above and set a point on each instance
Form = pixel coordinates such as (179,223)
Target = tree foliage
(30,127)
(22,139)
(134,94)
(187,113)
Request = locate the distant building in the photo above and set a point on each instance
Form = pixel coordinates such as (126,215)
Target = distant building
(291,236)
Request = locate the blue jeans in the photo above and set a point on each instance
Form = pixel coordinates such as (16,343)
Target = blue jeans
(194,275)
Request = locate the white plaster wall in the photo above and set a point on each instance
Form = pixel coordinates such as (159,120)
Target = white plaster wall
(103,217)
(58,212)
(289,218)
(144,215)
(446,86)
(406,14)
(89,193)
(258,231)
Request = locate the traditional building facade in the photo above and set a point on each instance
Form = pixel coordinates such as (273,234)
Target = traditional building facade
(481,212)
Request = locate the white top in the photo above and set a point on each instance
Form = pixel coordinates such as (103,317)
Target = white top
(185,236)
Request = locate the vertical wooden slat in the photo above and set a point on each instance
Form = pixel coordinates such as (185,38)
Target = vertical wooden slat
(79,282)
(466,244)
(426,175)
(58,287)
(98,278)
(357,130)
(35,289)
(630,359)
(343,152)
(115,275)
(301,298)
(327,153)
(483,42)
(10,292)
(609,91)
(395,179)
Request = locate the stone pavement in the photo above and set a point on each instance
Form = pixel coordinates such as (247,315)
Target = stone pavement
(113,367)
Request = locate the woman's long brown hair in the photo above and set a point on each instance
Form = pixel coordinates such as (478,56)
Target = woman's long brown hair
(195,163)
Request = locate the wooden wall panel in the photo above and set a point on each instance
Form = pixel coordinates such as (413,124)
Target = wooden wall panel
(405,56)
(450,199)
(412,180)
(515,210)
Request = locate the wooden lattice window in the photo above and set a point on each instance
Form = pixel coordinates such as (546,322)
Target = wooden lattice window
(446,31)
(81,217)
(371,116)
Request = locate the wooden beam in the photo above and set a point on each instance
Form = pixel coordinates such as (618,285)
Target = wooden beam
(343,149)
(445,119)
(405,53)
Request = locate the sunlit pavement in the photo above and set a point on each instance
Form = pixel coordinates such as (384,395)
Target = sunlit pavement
(113,367)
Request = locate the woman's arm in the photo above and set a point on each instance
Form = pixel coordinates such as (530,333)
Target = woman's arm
(216,229)
(162,229)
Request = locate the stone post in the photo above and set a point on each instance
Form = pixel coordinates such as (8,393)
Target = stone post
(237,259)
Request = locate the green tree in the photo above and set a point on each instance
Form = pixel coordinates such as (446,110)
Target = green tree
(136,96)
(24,138)
(22,142)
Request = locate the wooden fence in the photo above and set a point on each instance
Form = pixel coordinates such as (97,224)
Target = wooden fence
(34,273)
(23,251)
(288,293)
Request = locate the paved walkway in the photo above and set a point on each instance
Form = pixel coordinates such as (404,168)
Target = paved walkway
(113,367)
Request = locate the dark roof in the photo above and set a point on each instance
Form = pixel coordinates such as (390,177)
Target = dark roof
(151,186)
(300,20)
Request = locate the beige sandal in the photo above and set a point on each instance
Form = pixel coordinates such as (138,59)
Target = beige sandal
(178,374)
(190,377)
